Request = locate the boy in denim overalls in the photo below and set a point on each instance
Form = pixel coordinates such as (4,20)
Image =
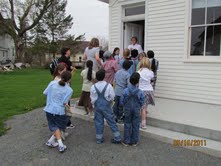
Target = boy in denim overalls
(132,101)
(102,95)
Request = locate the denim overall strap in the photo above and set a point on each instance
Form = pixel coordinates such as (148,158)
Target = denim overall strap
(103,91)
(132,93)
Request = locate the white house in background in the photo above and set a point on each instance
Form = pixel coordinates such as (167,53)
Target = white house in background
(7,49)
(186,38)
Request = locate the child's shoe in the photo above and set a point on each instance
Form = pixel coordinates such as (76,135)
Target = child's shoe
(100,141)
(115,141)
(71,126)
(144,127)
(125,144)
(134,144)
(52,145)
(62,148)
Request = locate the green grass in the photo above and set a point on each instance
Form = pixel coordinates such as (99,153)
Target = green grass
(21,91)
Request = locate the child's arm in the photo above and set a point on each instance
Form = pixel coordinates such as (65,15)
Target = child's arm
(111,92)
(93,95)
(47,89)
(67,107)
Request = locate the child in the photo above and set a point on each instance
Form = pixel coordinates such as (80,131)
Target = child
(134,59)
(101,56)
(110,66)
(146,76)
(58,71)
(102,94)
(121,80)
(116,54)
(132,100)
(126,56)
(58,94)
(88,76)
(141,55)
(154,67)
(57,77)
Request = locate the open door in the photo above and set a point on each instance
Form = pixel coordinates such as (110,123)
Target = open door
(133,29)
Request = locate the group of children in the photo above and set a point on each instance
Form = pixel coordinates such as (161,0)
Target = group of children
(128,82)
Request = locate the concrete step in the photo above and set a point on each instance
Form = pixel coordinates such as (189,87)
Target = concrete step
(202,120)
(212,147)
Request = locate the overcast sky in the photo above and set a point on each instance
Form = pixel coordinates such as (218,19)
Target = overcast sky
(89,17)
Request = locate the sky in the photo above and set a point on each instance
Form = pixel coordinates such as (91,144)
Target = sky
(89,17)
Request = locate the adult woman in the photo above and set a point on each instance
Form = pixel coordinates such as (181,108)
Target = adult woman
(134,45)
(92,53)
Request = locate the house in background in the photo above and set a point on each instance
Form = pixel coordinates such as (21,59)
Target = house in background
(78,57)
(186,38)
(7,49)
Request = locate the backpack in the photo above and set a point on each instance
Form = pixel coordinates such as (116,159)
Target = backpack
(53,65)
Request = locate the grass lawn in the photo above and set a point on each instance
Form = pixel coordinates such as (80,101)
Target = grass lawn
(21,91)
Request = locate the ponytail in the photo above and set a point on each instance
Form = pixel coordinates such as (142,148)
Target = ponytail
(150,55)
(61,82)
(153,65)
(90,69)
(65,77)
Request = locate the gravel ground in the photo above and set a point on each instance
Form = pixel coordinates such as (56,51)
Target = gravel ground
(24,145)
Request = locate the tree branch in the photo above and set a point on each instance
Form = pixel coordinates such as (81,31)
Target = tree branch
(47,4)
(26,12)
(11,2)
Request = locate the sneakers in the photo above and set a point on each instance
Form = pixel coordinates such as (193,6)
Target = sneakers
(134,144)
(52,145)
(113,141)
(100,141)
(62,148)
(71,126)
(144,127)
(125,144)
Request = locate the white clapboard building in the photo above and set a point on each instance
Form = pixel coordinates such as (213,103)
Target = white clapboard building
(186,38)
(7,49)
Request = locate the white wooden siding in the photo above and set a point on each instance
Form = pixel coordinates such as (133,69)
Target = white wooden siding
(115,26)
(199,82)
(166,34)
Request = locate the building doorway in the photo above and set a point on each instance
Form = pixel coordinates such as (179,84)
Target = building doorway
(134,28)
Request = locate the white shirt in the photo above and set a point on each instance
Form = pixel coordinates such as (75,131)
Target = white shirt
(136,47)
(86,83)
(109,93)
(145,77)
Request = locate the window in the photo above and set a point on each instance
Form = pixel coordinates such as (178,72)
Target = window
(135,11)
(205,28)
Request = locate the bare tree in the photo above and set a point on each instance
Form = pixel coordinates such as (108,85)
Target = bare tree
(103,42)
(17,17)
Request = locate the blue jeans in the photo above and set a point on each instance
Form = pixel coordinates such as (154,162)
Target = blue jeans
(118,110)
(131,125)
(106,113)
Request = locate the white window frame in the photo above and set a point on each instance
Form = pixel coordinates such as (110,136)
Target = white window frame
(188,36)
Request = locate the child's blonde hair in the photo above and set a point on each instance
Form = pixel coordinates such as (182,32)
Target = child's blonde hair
(126,53)
(145,63)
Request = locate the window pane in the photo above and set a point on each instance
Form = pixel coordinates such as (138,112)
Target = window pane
(214,11)
(135,11)
(197,41)
(213,41)
(198,12)
(213,3)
